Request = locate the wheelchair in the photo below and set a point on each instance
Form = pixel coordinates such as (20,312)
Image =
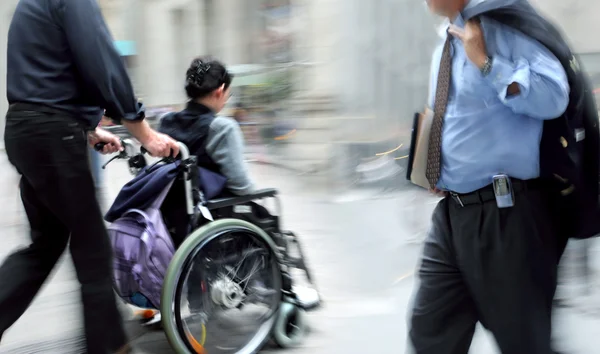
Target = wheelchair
(228,288)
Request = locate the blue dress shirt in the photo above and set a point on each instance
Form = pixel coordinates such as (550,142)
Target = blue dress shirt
(485,132)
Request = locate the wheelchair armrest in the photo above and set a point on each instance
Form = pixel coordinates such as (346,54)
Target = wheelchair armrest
(227,202)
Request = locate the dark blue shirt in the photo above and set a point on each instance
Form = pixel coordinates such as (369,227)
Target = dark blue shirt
(61,55)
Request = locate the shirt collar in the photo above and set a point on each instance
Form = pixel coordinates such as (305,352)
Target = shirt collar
(458,21)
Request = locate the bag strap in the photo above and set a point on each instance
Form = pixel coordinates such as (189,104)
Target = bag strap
(161,197)
(149,241)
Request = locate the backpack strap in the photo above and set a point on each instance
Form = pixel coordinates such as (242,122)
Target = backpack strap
(149,241)
(136,267)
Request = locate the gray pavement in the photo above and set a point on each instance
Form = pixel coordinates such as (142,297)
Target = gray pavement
(363,248)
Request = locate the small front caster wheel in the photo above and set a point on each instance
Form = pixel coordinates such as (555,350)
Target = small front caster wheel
(290,327)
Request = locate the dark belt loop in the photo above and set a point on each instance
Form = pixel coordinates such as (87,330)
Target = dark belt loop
(480,197)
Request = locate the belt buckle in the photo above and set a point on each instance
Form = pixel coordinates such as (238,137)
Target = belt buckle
(457,198)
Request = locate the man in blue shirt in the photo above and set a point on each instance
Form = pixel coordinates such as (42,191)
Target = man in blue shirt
(488,258)
(62,73)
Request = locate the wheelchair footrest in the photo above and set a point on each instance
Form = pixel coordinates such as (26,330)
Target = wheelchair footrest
(307,302)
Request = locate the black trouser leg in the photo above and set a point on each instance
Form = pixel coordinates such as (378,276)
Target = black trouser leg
(443,317)
(508,258)
(51,154)
(23,272)
(503,261)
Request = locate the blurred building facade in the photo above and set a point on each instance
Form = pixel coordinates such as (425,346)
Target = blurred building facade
(385,60)
(168,34)
(372,56)
(387,45)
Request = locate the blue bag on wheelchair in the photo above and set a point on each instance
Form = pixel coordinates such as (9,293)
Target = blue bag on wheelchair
(139,192)
(143,249)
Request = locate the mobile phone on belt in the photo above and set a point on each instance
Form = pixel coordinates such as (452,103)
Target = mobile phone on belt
(505,197)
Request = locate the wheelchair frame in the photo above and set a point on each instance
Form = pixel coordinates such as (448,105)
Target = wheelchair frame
(187,162)
(196,204)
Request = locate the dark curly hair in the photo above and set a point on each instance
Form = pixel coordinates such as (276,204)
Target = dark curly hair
(205,75)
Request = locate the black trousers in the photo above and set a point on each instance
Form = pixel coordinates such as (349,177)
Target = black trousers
(488,265)
(57,189)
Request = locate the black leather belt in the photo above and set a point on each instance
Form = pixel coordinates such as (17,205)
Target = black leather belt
(486,193)
(34,107)
(40,108)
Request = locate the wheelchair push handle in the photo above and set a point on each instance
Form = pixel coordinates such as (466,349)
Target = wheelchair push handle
(184,153)
(136,160)
(124,154)
(144,151)
(99,146)
(126,143)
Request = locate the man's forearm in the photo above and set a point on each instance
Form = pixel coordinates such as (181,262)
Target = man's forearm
(140,130)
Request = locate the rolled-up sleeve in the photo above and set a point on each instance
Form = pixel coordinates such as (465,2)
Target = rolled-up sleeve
(98,62)
(543,84)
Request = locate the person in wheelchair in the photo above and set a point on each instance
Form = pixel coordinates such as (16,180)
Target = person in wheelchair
(218,144)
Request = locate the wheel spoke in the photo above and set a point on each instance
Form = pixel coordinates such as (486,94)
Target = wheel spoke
(239,296)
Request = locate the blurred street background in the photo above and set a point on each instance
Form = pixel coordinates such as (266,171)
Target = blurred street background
(325,92)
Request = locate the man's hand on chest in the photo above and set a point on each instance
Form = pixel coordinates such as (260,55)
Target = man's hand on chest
(473,41)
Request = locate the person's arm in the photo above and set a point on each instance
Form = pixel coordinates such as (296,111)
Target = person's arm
(225,145)
(140,129)
(97,60)
(533,82)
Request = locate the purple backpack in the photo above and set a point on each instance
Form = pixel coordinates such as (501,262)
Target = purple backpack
(142,249)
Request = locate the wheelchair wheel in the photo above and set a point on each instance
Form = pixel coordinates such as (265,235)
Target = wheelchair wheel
(222,290)
(290,328)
